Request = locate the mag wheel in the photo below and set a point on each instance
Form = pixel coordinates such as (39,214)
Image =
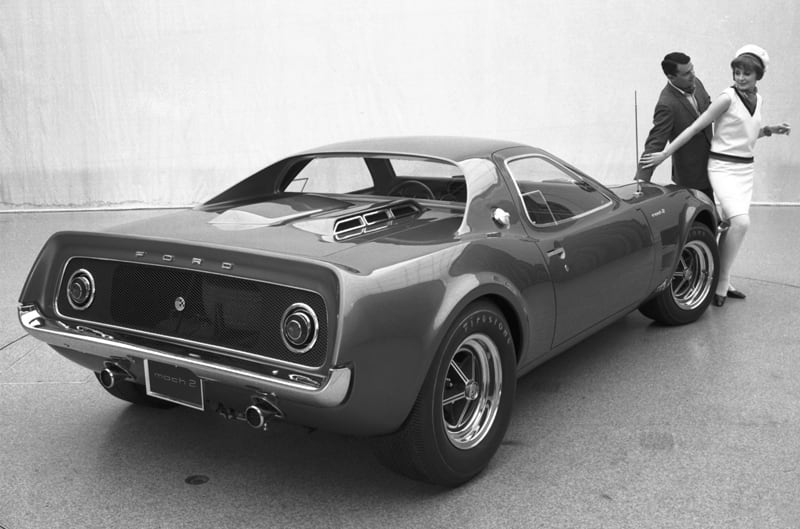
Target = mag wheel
(464,406)
(471,391)
(692,284)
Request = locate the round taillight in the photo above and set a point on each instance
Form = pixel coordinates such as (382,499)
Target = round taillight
(80,289)
(299,328)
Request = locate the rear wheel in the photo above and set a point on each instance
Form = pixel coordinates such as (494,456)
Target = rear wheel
(464,406)
(692,284)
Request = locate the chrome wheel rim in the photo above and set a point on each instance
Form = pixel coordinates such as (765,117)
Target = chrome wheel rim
(472,391)
(691,282)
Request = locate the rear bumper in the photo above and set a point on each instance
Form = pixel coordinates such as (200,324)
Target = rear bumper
(331,392)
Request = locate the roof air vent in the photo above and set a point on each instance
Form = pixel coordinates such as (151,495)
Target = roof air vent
(373,220)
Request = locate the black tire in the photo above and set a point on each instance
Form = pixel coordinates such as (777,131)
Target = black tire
(693,282)
(134,393)
(463,409)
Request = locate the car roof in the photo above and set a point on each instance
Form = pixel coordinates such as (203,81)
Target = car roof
(455,148)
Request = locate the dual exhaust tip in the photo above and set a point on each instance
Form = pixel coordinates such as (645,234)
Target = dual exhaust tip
(263,409)
(110,376)
(257,415)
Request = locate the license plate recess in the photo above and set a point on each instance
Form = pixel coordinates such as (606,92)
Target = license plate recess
(174,383)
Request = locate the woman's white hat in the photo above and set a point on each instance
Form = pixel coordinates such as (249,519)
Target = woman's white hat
(757,51)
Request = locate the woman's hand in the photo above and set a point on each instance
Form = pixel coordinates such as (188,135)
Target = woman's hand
(651,159)
(783,128)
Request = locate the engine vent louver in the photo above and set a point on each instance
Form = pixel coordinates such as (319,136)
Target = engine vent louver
(372,220)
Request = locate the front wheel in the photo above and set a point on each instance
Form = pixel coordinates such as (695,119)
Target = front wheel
(464,407)
(693,282)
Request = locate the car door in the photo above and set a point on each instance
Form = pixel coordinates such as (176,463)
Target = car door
(599,251)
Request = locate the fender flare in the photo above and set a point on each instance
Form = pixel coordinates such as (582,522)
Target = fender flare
(493,287)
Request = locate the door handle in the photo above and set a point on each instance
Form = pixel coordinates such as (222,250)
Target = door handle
(558,252)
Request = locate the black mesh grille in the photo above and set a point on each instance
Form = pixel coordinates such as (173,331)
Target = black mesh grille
(218,310)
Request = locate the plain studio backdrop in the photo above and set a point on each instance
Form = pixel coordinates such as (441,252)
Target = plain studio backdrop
(166,103)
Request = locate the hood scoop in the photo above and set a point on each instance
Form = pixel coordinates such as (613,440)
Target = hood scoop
(373,220)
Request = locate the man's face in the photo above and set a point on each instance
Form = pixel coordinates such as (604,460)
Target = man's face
(684,77)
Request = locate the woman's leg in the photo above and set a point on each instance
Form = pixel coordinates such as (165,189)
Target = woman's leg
(729,247)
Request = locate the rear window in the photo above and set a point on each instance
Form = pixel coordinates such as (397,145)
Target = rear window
(339,175)
(379,175)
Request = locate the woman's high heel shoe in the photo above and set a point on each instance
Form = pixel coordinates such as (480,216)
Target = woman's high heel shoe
(718,300)
(738,294)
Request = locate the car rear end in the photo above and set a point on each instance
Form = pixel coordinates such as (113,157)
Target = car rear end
(206,327)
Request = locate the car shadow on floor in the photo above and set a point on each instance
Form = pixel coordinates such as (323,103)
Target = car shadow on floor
(179,444)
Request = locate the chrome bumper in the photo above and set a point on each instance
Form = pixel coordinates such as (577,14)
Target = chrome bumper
(331,392)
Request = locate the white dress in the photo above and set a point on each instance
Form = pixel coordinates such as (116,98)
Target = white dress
(730,165)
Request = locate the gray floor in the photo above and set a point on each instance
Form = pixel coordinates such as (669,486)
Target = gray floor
(638,427)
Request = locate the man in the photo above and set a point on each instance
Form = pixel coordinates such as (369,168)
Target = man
(680,103)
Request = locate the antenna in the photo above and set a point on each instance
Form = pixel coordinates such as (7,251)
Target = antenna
(638,191)
(636,124)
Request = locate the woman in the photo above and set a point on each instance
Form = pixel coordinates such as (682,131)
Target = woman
(736,114)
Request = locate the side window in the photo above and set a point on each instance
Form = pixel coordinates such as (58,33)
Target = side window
(340,175)
(551,193)
(413,168)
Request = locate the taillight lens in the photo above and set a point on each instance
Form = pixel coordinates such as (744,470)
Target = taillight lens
(80,289)
(299,328)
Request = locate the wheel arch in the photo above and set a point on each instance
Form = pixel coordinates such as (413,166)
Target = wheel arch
(507,302)
(512,318)
(707,218)
(703,213)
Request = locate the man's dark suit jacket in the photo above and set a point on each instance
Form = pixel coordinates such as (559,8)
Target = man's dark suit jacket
(672,115)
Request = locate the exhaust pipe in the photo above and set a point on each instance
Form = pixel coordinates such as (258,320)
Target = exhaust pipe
(111,375)
(257,417)
(263,409)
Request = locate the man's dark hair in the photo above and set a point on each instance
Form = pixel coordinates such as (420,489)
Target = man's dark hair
(671,61)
